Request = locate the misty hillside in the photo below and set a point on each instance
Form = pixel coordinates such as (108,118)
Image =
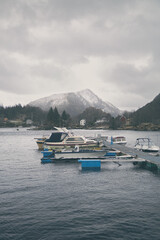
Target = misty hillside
(75,103)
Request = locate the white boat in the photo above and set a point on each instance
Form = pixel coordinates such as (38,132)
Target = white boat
(40,142)
(80,154)
(145,145)
(117,140)
(66,140)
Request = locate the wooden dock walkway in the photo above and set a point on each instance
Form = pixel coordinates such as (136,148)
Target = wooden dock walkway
(151,159)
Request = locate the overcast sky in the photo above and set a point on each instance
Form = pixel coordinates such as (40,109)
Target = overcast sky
(53,46)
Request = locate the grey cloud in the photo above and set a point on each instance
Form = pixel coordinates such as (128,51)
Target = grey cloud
(13,78)
(132,80)
(22,76)
(53,37)
(127,34)
(50,71)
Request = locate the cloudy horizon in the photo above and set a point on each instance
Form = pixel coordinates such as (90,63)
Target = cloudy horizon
(59,46)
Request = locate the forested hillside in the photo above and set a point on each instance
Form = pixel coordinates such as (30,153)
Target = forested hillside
(149,113)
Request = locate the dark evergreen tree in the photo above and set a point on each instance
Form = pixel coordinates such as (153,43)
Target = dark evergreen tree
(64,115)
(56,117)
(150,113)
(20,113)
(50,116)
(65,119)
(112,124)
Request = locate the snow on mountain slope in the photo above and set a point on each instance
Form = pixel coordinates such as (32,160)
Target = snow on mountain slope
(75,103)
(96,102)
(89,96)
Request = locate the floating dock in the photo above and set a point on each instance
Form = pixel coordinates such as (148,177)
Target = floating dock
(146,159)
(110,156)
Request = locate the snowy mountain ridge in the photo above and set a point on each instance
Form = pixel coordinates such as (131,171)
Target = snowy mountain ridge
(75,103)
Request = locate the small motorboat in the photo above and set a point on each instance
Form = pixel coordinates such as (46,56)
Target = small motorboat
(145,145)
(61,138)
(117,140)
(66,140)
(40,142)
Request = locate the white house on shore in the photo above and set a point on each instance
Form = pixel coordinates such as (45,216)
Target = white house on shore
(29,122)
(82,122)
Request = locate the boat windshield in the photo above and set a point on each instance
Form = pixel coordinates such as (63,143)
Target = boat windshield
(57,137)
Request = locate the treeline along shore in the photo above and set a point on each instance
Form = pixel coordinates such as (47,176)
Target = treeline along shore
(145,118)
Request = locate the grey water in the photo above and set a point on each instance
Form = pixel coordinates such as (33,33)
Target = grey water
(60,201)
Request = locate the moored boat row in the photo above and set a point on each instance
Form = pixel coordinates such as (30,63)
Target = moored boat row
(63,139)
(65,145)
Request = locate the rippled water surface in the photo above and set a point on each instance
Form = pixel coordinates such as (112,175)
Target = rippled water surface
(60,201)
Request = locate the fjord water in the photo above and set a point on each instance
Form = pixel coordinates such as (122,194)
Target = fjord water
(60,201)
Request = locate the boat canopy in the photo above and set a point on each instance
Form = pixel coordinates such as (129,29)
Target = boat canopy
(143,140)
(57,137)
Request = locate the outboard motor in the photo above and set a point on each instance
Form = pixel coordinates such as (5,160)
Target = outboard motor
(76,148)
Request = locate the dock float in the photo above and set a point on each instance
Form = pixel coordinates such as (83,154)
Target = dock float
(147,160)
(90,164)
(110,156)
(142,159)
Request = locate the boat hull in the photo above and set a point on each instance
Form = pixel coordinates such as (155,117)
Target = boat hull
(40,142)
(40,145)
(62,146)
(147,148)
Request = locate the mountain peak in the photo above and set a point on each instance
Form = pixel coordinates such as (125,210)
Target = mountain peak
(75,103)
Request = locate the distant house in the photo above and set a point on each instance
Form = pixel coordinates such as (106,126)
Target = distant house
(5,119)
(82,122)
(29,122)
(123,120)
(101,121)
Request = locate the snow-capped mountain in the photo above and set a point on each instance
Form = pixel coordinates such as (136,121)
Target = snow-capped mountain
(75,103)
